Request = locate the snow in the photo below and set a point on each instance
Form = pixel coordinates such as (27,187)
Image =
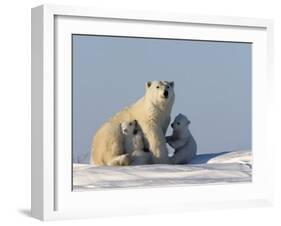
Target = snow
(225,167)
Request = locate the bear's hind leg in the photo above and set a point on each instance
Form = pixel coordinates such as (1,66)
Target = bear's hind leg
(179,157)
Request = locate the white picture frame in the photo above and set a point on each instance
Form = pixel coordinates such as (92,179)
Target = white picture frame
(52,196)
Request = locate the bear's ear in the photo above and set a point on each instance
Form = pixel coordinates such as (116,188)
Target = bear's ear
(172,84)
(148,84)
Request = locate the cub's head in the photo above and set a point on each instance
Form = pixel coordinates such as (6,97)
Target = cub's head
(180,123)
(129,128)
(160,92)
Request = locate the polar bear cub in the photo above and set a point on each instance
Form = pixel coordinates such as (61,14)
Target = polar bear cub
(134,143)
(133,136)
(182,141)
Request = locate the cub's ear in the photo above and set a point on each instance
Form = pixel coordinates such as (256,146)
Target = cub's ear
(148,84)
(172,84)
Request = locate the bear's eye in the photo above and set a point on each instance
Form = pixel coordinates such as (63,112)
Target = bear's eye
(168,87)
(130,124)
(157,87)
(178,123)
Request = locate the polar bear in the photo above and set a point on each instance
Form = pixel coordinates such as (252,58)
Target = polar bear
(182,141)
(133,136)
(134,143)
(152,111)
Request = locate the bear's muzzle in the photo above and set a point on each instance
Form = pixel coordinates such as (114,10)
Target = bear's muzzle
(166,94)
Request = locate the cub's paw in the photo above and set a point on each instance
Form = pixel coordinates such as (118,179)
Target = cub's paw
(172,144)
(168,139)
(125,160)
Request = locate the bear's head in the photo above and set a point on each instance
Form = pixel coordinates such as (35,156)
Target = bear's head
(180,123)
(160,92)
(129,128)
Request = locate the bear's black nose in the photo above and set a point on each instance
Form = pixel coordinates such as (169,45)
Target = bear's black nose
(166,93)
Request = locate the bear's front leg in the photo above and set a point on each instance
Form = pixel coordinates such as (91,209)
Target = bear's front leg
(177,143)
(168,139)
(157,143)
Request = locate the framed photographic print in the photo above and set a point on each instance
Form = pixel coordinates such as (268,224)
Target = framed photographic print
(137,112)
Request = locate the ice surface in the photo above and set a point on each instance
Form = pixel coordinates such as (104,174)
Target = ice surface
(226,167)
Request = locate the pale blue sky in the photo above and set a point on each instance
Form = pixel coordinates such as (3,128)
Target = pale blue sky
(212,86)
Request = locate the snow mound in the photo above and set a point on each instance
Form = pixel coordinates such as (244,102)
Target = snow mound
(226,167)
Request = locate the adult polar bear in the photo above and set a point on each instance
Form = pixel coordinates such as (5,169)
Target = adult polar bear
(152,112)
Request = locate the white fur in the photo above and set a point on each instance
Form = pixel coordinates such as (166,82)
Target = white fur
(152,112)
(134,143)
(182,141)
(133,136)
